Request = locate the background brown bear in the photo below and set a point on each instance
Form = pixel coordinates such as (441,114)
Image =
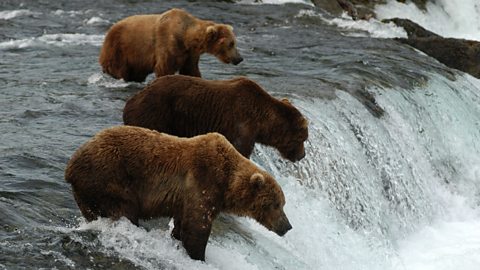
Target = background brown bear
(140,174)
(164,43)
(239,109)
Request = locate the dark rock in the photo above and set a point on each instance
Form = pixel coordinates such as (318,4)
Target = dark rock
(456,53)
(369,101)
(357,9)
(331,6)
(412,29)
(420,3)
(353,8)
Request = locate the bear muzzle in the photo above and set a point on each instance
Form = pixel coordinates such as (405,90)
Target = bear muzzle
(294,156)
(283,227)
(237,59)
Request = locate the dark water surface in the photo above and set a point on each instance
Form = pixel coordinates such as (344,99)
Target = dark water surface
(53,97)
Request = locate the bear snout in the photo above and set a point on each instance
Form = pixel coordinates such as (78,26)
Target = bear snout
(295,155)
(301,155)
(236,60)
(283,226)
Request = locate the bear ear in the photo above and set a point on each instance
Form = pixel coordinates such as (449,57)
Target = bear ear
(229,27)
(304,123)
(286,101)
(257,180)
(212,33)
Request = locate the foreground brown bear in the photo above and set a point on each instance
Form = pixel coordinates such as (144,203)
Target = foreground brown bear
(164,43)
(140,174)
(239,109)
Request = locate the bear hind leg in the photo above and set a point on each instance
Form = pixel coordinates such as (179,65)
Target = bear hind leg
(132,74)
(105,205)
(118,207)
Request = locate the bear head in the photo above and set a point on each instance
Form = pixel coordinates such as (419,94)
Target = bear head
(292,134)
(222,43)
(260,197)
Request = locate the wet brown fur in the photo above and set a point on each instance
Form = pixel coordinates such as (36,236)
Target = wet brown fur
(238,108)
(164,43)
(140,174)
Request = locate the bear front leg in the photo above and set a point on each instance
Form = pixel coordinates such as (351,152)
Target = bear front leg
(165,66)
(177,228)
(195,239)
(190,67)
(196,227)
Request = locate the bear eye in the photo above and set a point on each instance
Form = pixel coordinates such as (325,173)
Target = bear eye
(231,44)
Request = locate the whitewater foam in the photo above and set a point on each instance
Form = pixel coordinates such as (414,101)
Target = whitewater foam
(442,246)
(274,2)
(10,14)
(97,21)
(106,81)
(359,28)
(58,40)
(448,18)
(71,13)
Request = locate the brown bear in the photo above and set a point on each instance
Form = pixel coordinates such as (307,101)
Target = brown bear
(164,43)
(140,174)
(238,108)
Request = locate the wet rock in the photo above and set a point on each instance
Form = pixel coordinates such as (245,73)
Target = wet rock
(420,3)
(369,101)
(357,9)
(456,53)
(413,29)
(331,6)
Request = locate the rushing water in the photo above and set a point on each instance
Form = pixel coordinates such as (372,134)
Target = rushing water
(399,191)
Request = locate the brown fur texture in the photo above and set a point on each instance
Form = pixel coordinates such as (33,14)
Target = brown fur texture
(238,108)
(164,43)
(140,174)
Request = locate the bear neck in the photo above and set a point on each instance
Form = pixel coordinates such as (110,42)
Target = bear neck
(196,38)
(271,131)
(238,195)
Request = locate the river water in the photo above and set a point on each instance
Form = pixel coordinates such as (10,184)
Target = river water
(386,184)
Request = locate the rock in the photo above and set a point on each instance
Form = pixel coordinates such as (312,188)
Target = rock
(456,53)
(331,6)
(420,3)
(357,9)
(413,29)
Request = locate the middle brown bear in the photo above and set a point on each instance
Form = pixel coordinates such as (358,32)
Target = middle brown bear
(238,108)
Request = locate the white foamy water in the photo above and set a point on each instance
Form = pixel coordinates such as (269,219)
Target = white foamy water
(442,246)
(10,14)
(71,13)
(274,2)
(361,28)
(107,81)
(97,21)
(59,40)
(449,18)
